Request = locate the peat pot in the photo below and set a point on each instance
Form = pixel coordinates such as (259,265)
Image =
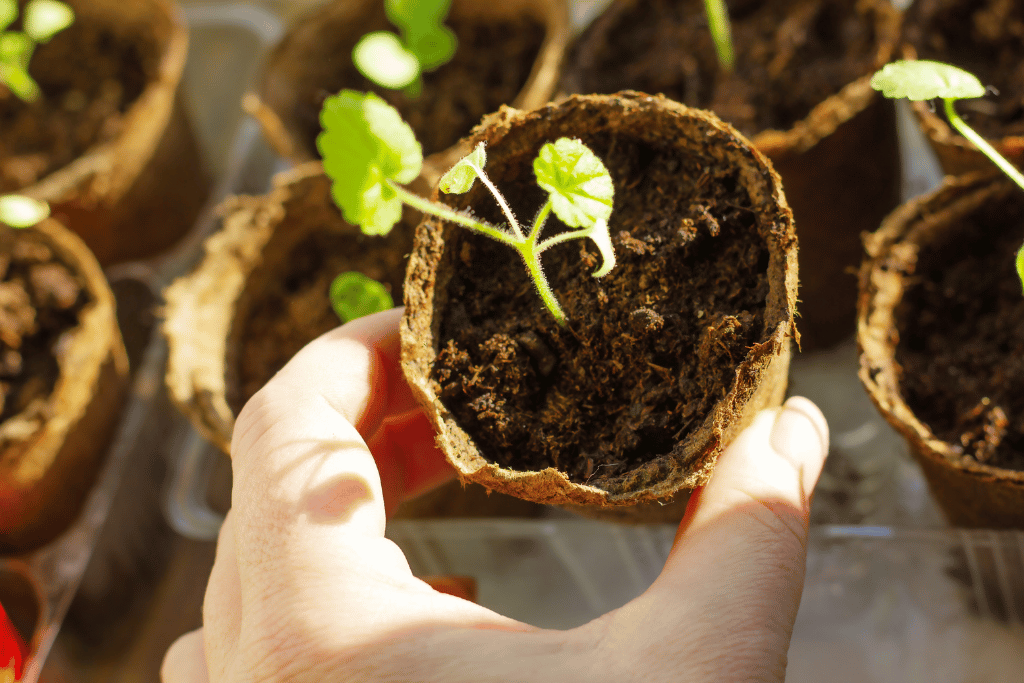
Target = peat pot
(941,336)
(800,91)
(663,361)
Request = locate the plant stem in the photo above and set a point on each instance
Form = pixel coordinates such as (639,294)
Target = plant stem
(721,33)
(512,222)
(980,142)
(449,214)
(531,257)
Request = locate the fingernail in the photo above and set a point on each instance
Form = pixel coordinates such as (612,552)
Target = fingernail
(800,431)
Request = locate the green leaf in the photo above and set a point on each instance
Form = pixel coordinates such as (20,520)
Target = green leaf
(435,48)
(19,211)
(365,146)
(925,80)
(19,82)
(15,48)
(579,184)
(422,26)
(354,295)
(381,57)
(1020,265)
(45,18)
(461,176)
(8,13)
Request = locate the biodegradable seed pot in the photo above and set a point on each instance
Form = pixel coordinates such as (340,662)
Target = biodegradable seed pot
(663,360)
(107,144)
(987,39)
(63,374)
(799,90)
(509,52)
(941,333)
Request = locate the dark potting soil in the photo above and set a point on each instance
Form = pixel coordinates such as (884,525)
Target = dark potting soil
(89,75)
(491,65)
(293,307)
(40,301)
(961,332)
(790,56)
(985,37)
(649,348)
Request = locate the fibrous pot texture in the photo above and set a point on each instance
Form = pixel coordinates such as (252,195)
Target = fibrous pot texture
(63,373)
(261,294)
(800,91)
(985,37)
(108,143)
(509,52)
(663,360)
(941,333)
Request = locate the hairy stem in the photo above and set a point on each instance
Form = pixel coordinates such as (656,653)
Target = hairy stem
(447,213)
(531,257)
(980,142)
(498,197)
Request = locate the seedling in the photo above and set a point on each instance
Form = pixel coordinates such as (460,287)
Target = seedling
(18,211)
(41,20)
(925,80)
(721,33)
(426,43)
(354,295)
(370,152)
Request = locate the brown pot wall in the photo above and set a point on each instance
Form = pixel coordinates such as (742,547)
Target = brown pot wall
(839,166)
(971,493)
(150,174)
(302,68)
(48,464)
(760,378)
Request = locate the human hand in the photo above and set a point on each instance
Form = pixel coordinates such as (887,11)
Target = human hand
(306,588)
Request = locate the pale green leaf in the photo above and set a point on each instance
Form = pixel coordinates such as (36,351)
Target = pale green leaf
(579,184)
(423,30)
(381,57)
(45,18)
(19,211)
(925,80)
(17,80)
(8,13)
(354,295)
(461,176)
(599,234)
(16,48)
(365,145)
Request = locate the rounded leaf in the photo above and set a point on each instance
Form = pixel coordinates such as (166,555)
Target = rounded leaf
(354,295)
(45,18)
(924,80)
(579,184)
(381,57)
(365,145)
(18,211)
(461,176)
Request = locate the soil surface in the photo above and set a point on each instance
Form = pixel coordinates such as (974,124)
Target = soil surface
(291,305)
(790,56)
(961,332)
(648,349)
(491,65)
(89,75)
(40,300)
(985,37)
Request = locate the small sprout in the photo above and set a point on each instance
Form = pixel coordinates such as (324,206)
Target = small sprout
(18,211)
(369,152)
(41,20)
(721,32)
(354,295)
(925,80)
(425,44)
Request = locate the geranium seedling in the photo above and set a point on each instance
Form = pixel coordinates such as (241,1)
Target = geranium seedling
(354,295)
(426,43)
(370,152)
(40,21)
(926,80)
(18,211)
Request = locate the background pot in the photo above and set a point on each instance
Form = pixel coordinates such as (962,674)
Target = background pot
(315,60)
(836,153)
(987,39)
(649,129)
(927,234)
(51,451)
(144,167)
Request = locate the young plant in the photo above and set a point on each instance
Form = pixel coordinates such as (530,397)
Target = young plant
(41,20)
(926,80)
(426,43)
(721,33)
(354,295)
(370,152)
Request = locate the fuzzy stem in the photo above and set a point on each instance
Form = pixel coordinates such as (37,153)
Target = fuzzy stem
(498,197)
(531,257)
(721,33)
(561,237)
(539,221)
(441,211)
(980,142)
